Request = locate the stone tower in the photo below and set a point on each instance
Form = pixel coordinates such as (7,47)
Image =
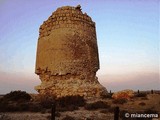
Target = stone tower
(67,55)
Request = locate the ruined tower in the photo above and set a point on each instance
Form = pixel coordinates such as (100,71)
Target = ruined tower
(67,55)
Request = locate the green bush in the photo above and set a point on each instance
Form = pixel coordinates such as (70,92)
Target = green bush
(97,105)
(120,101)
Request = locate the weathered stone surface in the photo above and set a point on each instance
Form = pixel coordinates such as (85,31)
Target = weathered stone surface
(127,94)
(67,54)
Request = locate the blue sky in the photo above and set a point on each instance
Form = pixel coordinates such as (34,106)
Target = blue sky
(127,34)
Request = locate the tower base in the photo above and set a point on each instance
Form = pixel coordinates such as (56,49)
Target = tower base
(62,88)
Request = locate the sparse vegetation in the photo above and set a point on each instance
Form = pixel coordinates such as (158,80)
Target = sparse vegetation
(144,98)
(57,114)
(18,96)
(71,100)
(142,104)
(10,103)
(17,101)
(14,107)
(104,111)
(35,107)
(97,105)
(67,108)
(68,118)
(120,101)
(122,114)
(104,107)
(4,117)
(141,95)
(109,95)
(111,109)
(47,100)
(70,103)
(151,111)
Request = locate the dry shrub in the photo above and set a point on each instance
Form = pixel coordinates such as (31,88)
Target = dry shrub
(20,107)
(68,118)
(144,98)
(23,107)
(17,96)
(13,107)
(70,103)
(142,104)
(151,111)
(141,95)
(8,103)
(4,117)
(111,109)
(66,108)
(71,100)
(89,119)
(104,111)
(35,107)
(57,114)
(120,101)
(97,105)
(15,101)
(47,100)
(108,95)
(3,105)
(48,117)
(122,114)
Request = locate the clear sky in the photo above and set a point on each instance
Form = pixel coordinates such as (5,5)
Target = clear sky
(127,34)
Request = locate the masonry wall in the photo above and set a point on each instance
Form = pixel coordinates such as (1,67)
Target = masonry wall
(67,51)
(67,44)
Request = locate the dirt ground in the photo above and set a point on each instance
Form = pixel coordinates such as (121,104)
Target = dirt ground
(137,104)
